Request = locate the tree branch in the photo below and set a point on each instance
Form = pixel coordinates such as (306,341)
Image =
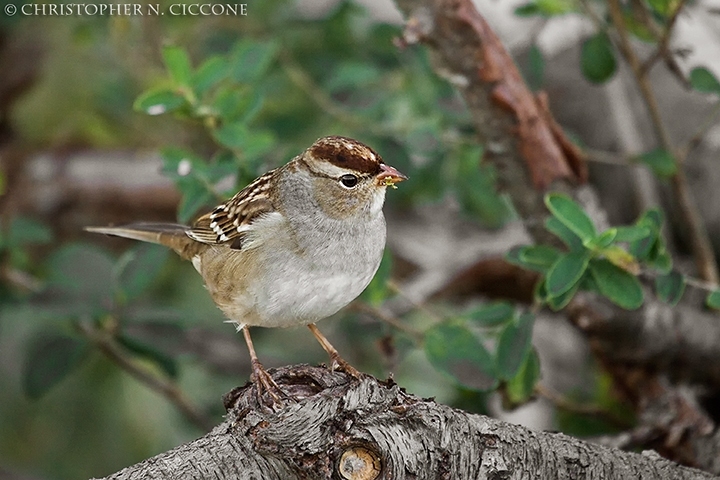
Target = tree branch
(344,428)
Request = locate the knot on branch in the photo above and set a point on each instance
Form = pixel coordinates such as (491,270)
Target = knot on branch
(329,423)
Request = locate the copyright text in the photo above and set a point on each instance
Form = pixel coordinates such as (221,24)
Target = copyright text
(125,9)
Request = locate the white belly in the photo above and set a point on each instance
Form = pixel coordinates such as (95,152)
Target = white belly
(307,298)
(299,285)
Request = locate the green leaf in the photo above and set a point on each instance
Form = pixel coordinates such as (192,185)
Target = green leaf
(660,161)
(237,105)
(80,279)
(233,135)
(642,249)
(588,284)
(527,10)
(157,102)
(541,256)
(251,59)
(195,196)
(377,291)
(631,233)
(138,269)
(652,250)
(558,302)
(566,272)
(620,287)
(556,7)
(662,261)
(179,163)
(223,166)
(653,253)
(25,231)
(492,314)
(238,137)
(713,299)
(670,288)
(546,8)
(648,247)
(213,71)
(533,257)
(143,349)
(178,64)
(474,186)
(540,294)
(262,142)
(454,350)
(597,59)
(604,240)
(536,70)
(50,358)
(521,387)
(620,257)
(351,75)
(702,80)
(251,106)
(638,28)
(571,215)
(652,217)
(513,255)
(514,346)
(662,7)
(557,228)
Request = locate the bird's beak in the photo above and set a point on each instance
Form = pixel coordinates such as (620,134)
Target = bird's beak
(389,176)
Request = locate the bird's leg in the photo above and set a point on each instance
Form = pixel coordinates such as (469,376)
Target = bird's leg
(262,379)
(337,362)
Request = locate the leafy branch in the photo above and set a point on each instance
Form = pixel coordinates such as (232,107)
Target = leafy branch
(106,343)
(90,292)
(610,263)
(699,239)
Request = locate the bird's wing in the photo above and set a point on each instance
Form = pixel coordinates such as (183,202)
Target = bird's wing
(228,222)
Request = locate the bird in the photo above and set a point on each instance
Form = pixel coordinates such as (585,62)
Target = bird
(293,247)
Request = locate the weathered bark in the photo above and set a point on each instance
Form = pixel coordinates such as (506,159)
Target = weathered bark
(521,139)
(373,429)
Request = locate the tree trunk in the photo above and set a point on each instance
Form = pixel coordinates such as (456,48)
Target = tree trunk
(338,427)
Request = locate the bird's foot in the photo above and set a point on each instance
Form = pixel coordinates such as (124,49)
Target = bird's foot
(337,363)
(264,383)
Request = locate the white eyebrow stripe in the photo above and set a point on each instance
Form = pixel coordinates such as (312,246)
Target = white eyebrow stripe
(334,171)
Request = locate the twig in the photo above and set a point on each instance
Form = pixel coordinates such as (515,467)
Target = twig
(422,306)
(609,158)
(662,50)
(595,17)
(564,403)
(640,76)
(388,318)
(696,137)
(694,282)
(699,239)
(21,279)
(302,80)
(166,388)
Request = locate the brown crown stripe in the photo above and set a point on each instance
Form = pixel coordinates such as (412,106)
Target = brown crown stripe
(347,153)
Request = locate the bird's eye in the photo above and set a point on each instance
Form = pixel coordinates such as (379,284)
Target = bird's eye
(349,180)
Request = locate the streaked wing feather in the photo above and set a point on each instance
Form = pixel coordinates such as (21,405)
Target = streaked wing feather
(228,222)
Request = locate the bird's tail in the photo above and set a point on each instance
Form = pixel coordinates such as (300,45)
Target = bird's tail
(169,234)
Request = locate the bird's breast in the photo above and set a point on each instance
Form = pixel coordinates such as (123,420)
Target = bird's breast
(320,269)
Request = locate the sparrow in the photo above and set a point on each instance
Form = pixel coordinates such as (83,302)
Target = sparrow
(295,246)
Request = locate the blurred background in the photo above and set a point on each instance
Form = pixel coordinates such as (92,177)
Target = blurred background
(111,352)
